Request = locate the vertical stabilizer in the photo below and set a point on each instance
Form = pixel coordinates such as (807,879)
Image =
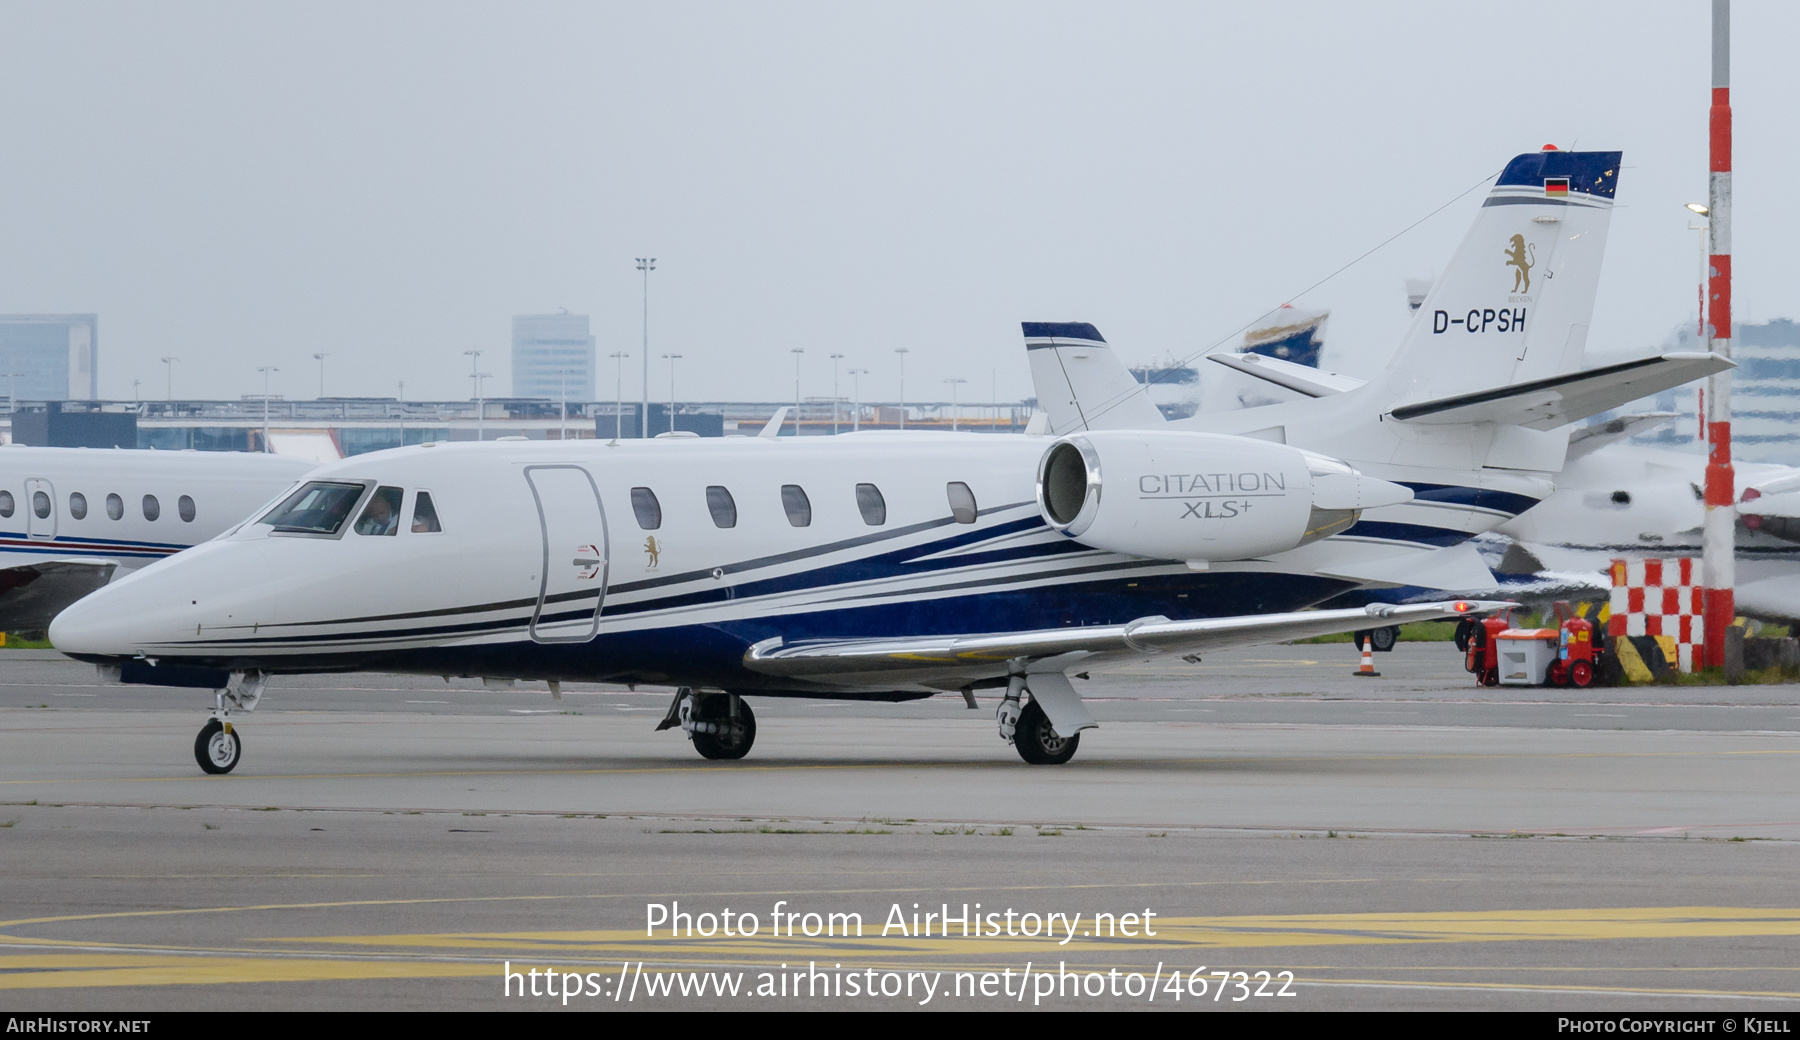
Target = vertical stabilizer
(1515,302)
(1081,384)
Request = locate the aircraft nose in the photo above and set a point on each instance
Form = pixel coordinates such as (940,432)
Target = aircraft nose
(156,610)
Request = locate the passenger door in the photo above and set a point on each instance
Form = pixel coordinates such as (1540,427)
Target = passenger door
(573,527)
(39,526)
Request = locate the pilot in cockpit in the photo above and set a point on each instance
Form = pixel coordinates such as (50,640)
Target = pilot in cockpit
(382,514)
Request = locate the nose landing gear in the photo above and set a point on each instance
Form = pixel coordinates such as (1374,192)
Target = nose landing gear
(219,746)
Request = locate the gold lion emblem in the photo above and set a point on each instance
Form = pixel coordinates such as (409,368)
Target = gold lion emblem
(1516,258)
(652,550)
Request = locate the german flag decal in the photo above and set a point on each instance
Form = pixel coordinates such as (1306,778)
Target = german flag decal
(1556,187)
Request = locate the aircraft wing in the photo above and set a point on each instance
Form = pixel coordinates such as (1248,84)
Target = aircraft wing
(969,658)
(1590,439)
(1302,379)
(1545,404)
(33,593)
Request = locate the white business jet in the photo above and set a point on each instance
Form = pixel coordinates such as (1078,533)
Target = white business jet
(70,518)
(891,566)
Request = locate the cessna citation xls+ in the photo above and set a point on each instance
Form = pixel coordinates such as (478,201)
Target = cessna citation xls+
(890,566)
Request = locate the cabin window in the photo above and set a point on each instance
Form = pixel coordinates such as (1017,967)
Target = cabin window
(319,507)
(871,504)
(425,519)
(647,508)
(962,502)
(185,506)
(6,503)
(1622,498)
(40,504)
(382,515)
(799,508)
(719,502)
(115,507)
(78,505)
(152,508)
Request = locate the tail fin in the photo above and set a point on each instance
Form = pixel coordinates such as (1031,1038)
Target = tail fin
(1515,302)
(1081,384)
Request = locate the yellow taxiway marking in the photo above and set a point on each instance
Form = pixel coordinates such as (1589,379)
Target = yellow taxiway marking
(739,768)
(1172,934)
(474,954)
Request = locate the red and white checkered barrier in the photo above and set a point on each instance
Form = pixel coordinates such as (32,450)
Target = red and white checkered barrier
(1660,598)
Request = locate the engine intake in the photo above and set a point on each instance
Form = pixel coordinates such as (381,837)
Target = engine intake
(1199,496)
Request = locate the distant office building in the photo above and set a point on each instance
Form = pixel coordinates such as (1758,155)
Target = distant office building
(50,357)
(1765,395)
(552,354)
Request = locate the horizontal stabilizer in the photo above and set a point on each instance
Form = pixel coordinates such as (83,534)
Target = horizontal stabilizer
(1590,439)
(985,655)
(1300,378)
(1458,568)
(1545,404)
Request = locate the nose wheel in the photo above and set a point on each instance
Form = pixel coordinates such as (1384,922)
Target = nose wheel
(218,747)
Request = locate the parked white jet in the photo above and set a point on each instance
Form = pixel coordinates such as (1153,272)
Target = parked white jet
(71,517)
(890,566)
(1626,500)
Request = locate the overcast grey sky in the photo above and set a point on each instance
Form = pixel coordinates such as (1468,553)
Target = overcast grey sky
(246,184)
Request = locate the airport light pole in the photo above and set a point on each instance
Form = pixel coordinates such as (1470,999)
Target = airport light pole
(474,357)
(618,357)
(856,389)
(647,264)
(169,363)
(672,359)
(835,395)
(481,406)
(954,383)
(12,392)
(563,380)
(902,351)
(320,358)
(134,390)
(266,370)
(1719,563)
(797,351)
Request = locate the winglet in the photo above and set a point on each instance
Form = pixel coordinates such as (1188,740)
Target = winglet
(772,428)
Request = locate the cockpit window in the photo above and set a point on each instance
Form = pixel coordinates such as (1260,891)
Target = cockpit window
(382,514)
(319,507)
(425,519)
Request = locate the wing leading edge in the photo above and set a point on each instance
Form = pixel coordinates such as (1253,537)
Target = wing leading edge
(976,657)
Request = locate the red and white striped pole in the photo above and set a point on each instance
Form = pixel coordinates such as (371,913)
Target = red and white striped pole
(1719,541)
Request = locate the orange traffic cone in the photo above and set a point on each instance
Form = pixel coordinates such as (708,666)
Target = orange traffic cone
(1367,670)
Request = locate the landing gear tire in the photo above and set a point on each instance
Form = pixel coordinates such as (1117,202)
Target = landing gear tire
(218,749)
(1383,639)
(1037,742)
(736,736)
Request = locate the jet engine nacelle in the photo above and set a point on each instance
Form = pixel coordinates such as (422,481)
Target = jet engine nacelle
(1174,495)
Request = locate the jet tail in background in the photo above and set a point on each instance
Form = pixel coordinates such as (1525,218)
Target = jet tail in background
(1081,384)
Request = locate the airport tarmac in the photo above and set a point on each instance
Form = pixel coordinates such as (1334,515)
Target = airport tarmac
(1408,841)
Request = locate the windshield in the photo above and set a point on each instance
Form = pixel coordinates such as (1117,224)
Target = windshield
(319,507)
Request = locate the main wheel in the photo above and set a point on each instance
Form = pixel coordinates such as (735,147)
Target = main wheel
(1037,741)
(1581,673)
(218,749)
(1383,639)
(739,733)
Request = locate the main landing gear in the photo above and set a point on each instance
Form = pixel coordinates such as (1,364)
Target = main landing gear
(721,725)
(1028,729)
(219,746)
